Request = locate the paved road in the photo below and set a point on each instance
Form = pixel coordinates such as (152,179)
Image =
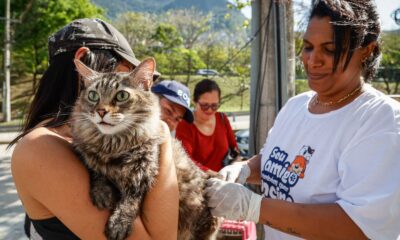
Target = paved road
(11,212)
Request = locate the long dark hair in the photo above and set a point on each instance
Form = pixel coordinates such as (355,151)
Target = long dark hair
(59,87)
(355,24)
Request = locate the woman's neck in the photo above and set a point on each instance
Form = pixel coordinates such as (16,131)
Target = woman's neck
(205,125)
(202,120)
(318,107)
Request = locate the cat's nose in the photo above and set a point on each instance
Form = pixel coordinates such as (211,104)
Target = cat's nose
(101,112)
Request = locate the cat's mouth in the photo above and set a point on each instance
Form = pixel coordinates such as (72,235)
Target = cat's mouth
(102,123)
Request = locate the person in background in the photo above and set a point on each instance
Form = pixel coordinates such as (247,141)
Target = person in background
(330,166)
(174,102)
(52,183)
(210,138)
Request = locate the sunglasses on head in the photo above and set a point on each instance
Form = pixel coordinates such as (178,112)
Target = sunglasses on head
(206,106)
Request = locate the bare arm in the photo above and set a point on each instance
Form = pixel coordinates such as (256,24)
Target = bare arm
(310,221)
(51,181)
(161,206)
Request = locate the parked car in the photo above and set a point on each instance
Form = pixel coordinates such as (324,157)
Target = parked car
(206,72)
(242,139)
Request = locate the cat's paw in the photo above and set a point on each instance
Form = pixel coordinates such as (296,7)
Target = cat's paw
(118,227)
(103,197)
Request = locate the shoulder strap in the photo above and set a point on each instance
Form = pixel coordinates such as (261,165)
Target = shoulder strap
(222,118)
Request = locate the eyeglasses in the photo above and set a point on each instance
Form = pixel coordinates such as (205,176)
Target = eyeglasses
(206,106)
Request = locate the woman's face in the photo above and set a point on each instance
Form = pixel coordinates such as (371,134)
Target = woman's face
(318,57)
(207,105)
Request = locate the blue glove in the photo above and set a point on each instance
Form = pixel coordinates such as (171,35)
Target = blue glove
(232,201)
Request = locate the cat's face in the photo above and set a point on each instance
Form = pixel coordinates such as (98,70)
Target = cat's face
(114,102)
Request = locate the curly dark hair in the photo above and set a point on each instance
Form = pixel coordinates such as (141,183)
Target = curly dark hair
(355,24)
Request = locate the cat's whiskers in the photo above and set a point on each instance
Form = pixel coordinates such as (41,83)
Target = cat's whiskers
(129,127)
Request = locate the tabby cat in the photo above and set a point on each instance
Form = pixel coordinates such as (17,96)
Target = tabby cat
(116,133)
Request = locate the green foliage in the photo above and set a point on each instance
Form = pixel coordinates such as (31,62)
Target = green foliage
(39,19)
(301,85)
(139,29)
(239,4)
(214,54)
(391,49)
(190,23)
(389,71)
(168,36)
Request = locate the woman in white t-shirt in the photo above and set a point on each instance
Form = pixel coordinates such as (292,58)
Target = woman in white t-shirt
(330,166)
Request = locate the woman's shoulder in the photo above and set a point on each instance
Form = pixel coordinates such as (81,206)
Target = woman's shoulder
(379,105)
(376,98)
(40,141)
(41,148)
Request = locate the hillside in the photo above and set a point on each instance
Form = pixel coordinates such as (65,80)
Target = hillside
(217,7)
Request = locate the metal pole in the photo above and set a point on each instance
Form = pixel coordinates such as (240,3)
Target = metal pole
(6,83)
(254,74)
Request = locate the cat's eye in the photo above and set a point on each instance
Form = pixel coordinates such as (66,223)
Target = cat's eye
(122,96)
(93,96)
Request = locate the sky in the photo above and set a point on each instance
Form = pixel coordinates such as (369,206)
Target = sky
(385,9)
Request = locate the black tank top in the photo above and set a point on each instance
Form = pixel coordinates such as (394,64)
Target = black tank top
(47,229)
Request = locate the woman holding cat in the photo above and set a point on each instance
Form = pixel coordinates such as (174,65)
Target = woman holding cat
(210,138)
(330,166)
(51,182)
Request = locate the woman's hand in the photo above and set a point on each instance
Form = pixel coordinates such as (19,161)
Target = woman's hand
(237,172)
(233,201)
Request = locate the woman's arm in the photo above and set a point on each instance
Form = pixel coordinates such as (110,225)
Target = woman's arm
(310,221)
(51,181)
(161,206)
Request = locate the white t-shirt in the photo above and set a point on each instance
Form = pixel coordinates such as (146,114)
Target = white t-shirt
(350,156)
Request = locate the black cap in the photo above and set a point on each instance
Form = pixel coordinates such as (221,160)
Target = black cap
(94,34)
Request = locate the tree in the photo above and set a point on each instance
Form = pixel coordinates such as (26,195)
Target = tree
(213,52)
(390,64)
(167,36)
(168,49)
(190,23)
(138,28)
(44,18)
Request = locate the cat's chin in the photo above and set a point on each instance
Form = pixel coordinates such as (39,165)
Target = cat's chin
(108,129)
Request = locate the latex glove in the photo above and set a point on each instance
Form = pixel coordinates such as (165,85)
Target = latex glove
(235,173)
(232,201)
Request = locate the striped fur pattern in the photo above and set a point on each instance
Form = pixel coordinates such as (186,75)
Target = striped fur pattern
(116,126)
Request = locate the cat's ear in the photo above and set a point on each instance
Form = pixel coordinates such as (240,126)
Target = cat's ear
(143,73)
(86,72)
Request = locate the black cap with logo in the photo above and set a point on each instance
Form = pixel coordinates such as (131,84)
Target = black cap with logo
(91,33)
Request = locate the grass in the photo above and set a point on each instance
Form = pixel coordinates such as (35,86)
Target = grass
(235,93)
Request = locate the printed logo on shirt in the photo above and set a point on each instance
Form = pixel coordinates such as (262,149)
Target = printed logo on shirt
(300,162)
(279,175)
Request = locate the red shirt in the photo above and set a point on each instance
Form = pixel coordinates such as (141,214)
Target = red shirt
(207,152)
